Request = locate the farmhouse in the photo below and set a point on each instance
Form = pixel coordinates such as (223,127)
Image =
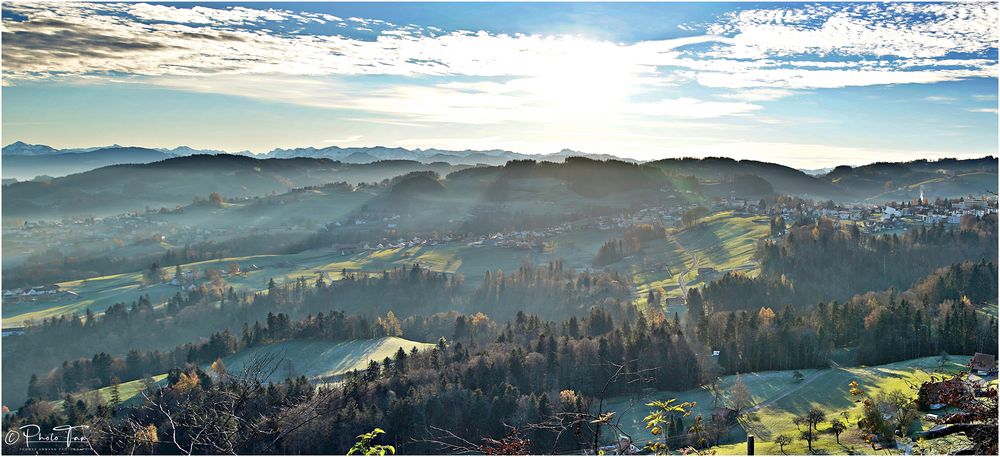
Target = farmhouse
(983,364)
(42,290)
(624,447)
(890,213)
(13,331)
(347,248)
(724,415)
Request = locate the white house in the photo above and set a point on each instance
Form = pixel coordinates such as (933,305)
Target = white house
(890,213)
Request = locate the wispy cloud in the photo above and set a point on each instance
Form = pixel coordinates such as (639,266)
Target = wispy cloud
(940,99)
(901,30)
(758,95)
(779,48)
(344,140)
(843,45)
(737,66)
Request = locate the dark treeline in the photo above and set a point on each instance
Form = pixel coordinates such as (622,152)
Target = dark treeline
(813,254)
(100,370)
(203,311)
(737,291)
(631,242)
(523,373)
(939,314)
(548,291)
(579,173)
(615,250)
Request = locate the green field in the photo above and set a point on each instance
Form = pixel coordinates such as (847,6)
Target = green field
(783,399)
(722,241)
(576,248)
(316,360)
(725,241)
(127,391)
(937,185)
(319,360)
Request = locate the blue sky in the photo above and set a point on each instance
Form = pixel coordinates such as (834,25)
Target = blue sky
(801,84)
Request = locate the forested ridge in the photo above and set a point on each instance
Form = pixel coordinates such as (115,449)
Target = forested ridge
(527,354)
(941,313)
(525,372)
(797,268)
(547,290)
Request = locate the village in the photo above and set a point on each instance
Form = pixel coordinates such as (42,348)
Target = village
(145,230)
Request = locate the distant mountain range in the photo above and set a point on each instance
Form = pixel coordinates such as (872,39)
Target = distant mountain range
(466,157)
(20,148)
(24,161)
(31,161)
(719,175)
(816,171)
(176,180)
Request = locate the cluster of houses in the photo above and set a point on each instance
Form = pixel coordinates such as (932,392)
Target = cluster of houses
(187,279)
(49,291)
(389,220)
(523,240)
(874,218)
(131,227)
(388,244)
(741,206)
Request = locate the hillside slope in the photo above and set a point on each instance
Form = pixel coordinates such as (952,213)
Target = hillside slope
(320,360)
(942,178)
(785,180)
(177,181)
(25,166)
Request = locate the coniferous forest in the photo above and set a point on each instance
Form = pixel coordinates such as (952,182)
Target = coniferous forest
(502,228)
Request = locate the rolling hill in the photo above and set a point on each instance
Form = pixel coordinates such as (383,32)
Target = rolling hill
(320,361)
(778,399)
(942,178)
(466,157)
(25,166)
(176,181)
(785,180)
(877,181)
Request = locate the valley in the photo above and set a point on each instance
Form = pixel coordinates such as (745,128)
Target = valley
(319,287)
(501,228)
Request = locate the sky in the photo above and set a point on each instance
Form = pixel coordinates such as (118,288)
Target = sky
(806,85)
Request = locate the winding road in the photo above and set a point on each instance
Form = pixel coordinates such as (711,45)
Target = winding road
(694,266)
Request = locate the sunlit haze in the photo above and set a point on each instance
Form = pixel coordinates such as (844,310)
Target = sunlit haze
(804,85)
